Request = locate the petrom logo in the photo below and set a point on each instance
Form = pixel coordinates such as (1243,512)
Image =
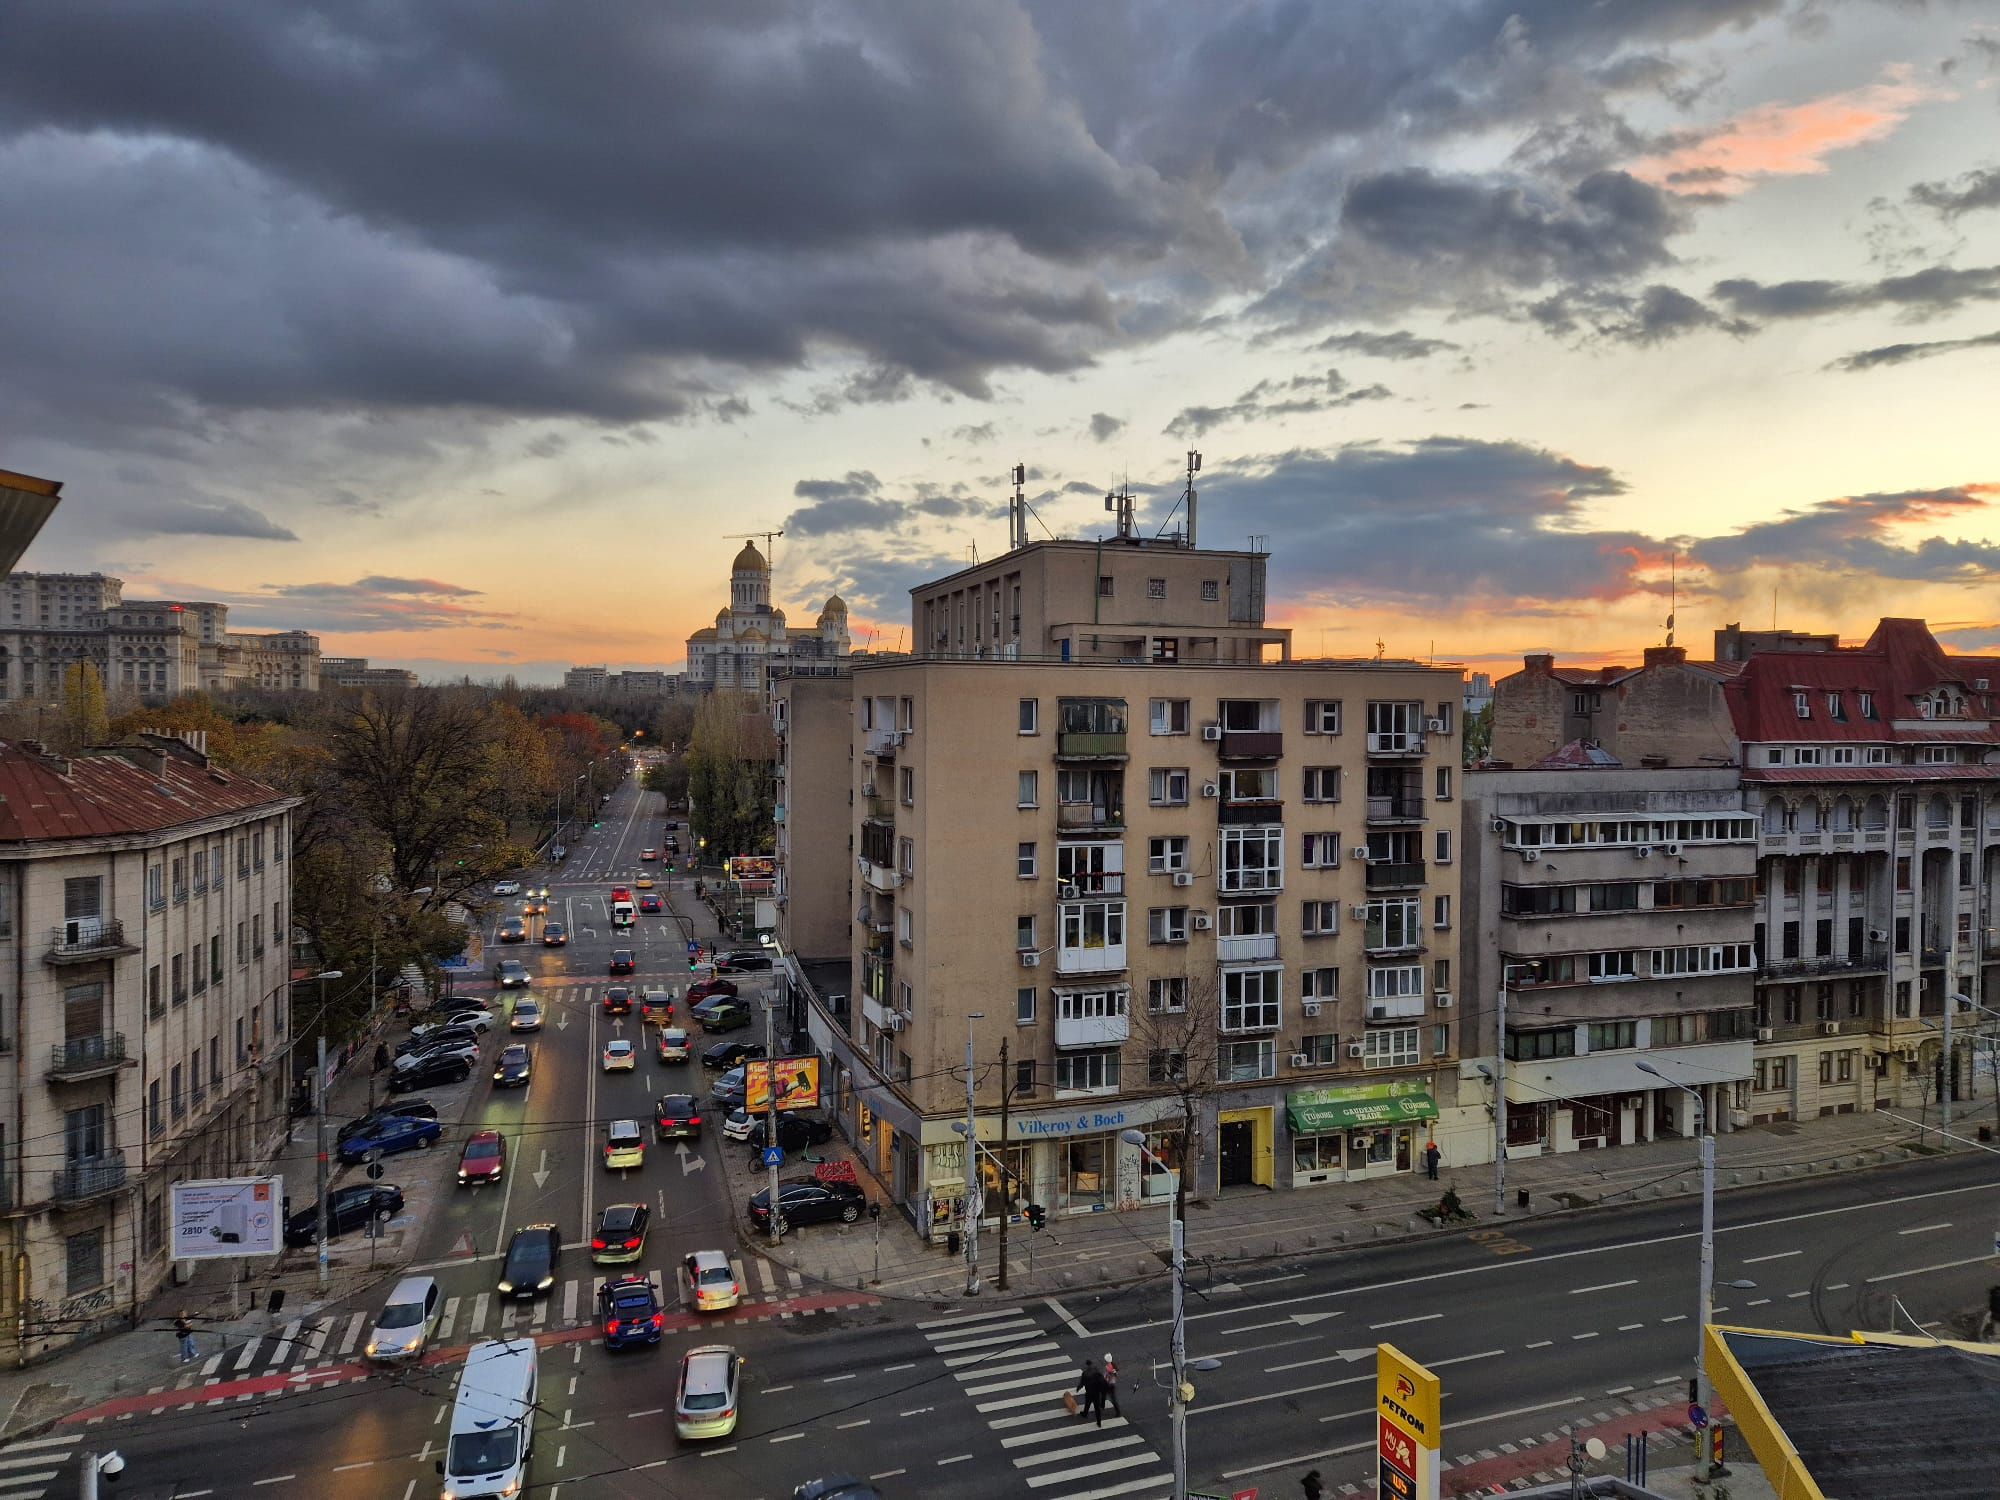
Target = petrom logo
(1394,1404)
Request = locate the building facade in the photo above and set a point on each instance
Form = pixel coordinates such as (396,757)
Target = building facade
(355,672)
(813,848)
(146,901)
(750,643)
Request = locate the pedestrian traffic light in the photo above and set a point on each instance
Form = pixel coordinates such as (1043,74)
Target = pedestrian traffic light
(1037,1216)
(596,825)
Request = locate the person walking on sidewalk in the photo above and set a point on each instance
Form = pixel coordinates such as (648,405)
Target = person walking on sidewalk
(1311,1485)
(184,1331)
(1111,1383)
(1431,1155)
(1092,1388)
(382,1056)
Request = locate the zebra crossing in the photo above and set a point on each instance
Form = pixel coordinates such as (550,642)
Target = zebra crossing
(27,1469)
(1015,1373)
(339,1337)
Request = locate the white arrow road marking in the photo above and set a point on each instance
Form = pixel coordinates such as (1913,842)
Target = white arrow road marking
(1304,1319)
(541,1175)
(689,1162)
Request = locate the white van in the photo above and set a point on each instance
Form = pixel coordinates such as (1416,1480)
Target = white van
(493,1422)
(623,914)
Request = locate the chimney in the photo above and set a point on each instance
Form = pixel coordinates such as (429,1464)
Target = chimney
(148,758)
(1543,662)
(1665,656)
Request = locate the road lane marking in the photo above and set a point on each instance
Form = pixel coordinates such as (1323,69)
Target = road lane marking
(830,1379)
(1591,1335)
(1676,1318)
(1950,1265)
(1541,1343)
(1085,1471)
(1619,1390)
(891,1369)
(956,1458)
(1758,1302)
(1064,1313)
(788,1437)
(1925,1228)
(1402,1322)
(1794,1296)
(651,1411)
(1605,1286)
(842,1427)
(1628,1327)
(1835,1286)
(1758,1260)
(889,1474)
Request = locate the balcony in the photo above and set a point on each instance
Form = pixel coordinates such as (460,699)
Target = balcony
(1091,745)
(1248,949)
(1395,809)
(1085,884)
(1252,744)
(1092,1031)
(1381,943)
(88,940)
(1255,881)
(1387,875)
(1870,960)
(1089,817)
(1237,813)
(86,1057)
(878,808)
(1395,744)
(883,743)
(92,1177)
(1103,958)
(882,878)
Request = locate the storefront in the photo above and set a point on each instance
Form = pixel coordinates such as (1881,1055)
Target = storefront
(1351,1132)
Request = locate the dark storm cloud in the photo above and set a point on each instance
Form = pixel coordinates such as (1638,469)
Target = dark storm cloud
(1935,289)
(1653,316)
(1104,427)
(1855,533)
(1960,195)
(1899,354)
(373,603)
(857,503)
(1398,343)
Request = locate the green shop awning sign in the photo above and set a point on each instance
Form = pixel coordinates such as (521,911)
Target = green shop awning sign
(1394,1101)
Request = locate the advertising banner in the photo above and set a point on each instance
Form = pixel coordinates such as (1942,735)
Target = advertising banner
(1407,1402)
(797,1083)
(218,1217)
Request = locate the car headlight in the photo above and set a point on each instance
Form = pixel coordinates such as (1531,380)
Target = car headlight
(371,1351)
(545,1283)
(461,1174)
(506,1286)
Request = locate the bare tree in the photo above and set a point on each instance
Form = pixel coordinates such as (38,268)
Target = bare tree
(1178,1026)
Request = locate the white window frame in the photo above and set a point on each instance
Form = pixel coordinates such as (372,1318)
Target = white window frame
(1322,716)
(1441,913)
(1320,784)
(1025,1000)
(1319,851)
(1167,995)
(1251,859)
(1027,789)
(905,926)
(1320,918)
(1392,1047)
(1321,983)
(1027,860)
(1083,1073)
(1167,854)
(1253,999)
(1262,1055)
(1166,716)
(1442,853)
(1161,784)
(1167,924)
(1028,716)
(1395,981)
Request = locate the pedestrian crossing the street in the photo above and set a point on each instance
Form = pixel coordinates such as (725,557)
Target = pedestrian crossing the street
(28,1469)
(1015,1373)
(340,1337)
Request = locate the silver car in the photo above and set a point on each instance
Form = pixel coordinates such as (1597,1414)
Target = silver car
(408,1320)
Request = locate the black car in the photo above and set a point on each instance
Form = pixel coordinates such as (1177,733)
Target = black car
(347,1208)
(618,1000)
(807,1200)
(532,1257)
(438,1067)
(513,1068)
(723,1015)
(622,961)
(729,1054)
(744,961)
(837,1487)
(676,1115)
(795,1132)
(407,1109)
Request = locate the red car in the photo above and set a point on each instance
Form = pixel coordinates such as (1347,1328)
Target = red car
(621,893)
(622,961)
(649,901)
(708,989)
(484,1158)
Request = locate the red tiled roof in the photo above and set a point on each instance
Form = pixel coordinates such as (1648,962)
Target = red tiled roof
(102,794)
(1901,661)
(1871,773)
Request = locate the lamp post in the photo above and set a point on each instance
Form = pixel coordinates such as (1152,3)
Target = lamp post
(1177,1397)
(319,1122)
(972,1204)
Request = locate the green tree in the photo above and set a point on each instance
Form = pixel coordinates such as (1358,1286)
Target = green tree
(669,778)
(731,795)
(1479,735)
(83,721)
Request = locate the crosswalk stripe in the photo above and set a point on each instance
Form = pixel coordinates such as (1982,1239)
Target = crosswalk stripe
(1018,1361)
(353,1332)
(1061,1379)
(991,1356)
(312,1340)
(213,1362)
(798,1282)
(477,1325)
(742,1276)
(450,1317)
(1160,1484)
(978,1317)
(26,1461)
(249,1353)
(68,1440)
(1051,1412)
(1008,1403)
(569,1301)
(283,1346)
(1050,1434)
(1085,1471)
(541,1317)
(1061,1455)
(766,1282)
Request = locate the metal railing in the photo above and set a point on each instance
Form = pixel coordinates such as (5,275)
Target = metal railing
(89,1177)
(87,1054)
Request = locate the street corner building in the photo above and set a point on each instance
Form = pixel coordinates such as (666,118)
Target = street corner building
(144,913)
(1158,874)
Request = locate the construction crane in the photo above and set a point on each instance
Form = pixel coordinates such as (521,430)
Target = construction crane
(768,536)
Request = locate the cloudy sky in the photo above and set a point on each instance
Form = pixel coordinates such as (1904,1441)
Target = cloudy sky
(476,337)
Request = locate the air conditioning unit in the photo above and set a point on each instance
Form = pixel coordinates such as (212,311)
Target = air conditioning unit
(1210,789)
(1877,935)
(1030,959)
(1672,850)
(1200,920)
(1763,1033)
(1444,1000)
(1069,892)
(893,1021)
(1355,1049)
(1301,1060)
(1359,911)
(1378,1010)
(1434,726)
(1529,856)
(1310,1007)
(1830,1028)
(1211,731)
(1183,877)
(1499,825)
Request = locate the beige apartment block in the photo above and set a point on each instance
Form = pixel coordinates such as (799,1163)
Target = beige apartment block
(814,721)
(144,914)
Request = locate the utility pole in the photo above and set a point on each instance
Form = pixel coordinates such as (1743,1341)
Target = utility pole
(972,1204)
(319,1100)
(1006,1192)
(771,1113)
(1178,1400)
(1949,1075)
(1500,1101)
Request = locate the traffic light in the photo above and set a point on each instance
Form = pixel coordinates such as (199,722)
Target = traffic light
(593,825)
(1038,1216)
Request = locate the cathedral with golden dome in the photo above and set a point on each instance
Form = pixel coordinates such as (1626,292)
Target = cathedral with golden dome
(749,642)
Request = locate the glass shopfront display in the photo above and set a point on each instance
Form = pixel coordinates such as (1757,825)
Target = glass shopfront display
(1086,1172)
(1350,1132)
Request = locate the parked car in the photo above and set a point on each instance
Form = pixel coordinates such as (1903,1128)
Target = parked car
(554,935)
(618,1000)
(439,1036)
(724,1014)
(391,1137)
(620,1236)
(513,1068)
(795,1131)
(650,903)
(622,961)
(624,1146)
(736,1124)
(629,1312)
(347,1208)
(705,1396)
(533,1255)
(483,1160)
(447,1043)
(408,1109)
(807,1200)
(620,1056)
(728,1090)
(558,852)
(710,1281)
(513,974)
(408,1319)
(744,961)
(729,1054)
(673,1044)
(708,989)
(513,930)
(438,1067)
(476,1017)
(527,1015)
(506,887)
(676,1115)
(836,1487)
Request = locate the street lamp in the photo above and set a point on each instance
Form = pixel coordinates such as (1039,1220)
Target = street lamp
(319,1111)
(1177,1398)
(972,1205)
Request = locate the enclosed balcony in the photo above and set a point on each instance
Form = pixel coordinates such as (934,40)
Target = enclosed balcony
(881,878)
(1090,729)
(1093,1018)
(87,940)
(1251,744)
(1248,948)
(1392,875)
(883,743)
(86,1057)
(1395,744)
(92,1177)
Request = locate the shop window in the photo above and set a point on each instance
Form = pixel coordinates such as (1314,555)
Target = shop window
(1087,1171)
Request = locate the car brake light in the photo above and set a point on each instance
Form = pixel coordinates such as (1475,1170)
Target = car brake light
(659,1320)
(631,1244)
(612,1326)
(596,1243)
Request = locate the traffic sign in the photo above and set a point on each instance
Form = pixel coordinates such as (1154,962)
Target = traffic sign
(774,1156)
(1697,1418)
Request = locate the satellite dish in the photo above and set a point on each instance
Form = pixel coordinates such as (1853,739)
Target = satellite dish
(1594,1447)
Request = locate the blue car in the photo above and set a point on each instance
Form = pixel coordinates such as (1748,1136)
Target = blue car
(398,1133)
(629,1312)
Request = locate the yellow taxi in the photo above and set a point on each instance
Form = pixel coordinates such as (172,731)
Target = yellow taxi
(624,1146)
(642,883)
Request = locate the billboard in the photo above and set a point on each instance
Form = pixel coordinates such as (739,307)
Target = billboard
(218,1217)
(798,1084)
(1407,1412)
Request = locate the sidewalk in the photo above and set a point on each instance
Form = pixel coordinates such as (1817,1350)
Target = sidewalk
(225,1299)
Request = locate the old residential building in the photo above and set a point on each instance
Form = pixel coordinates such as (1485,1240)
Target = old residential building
(144,911)
(1141,858)
(1615,905)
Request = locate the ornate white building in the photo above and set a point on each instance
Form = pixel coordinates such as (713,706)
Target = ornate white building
(750,642)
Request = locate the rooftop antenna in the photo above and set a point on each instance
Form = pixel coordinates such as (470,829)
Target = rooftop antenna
(1379,648)
(1193,468)
(1673,592)
(1017,510)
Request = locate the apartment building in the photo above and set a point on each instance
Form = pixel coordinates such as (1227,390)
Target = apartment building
(1142,871)
(603,682)
(355,672)
(1873,775)
(813,850)
(144,905)
(1615,906)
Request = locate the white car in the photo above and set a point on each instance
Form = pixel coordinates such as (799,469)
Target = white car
(478,1020)
(711,1282)
(619,1057)
(506,887)
(527,1016)
(736,1125)
(469,1050)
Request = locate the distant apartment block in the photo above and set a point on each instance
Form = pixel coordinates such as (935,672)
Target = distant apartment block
(601,682)
(355,672)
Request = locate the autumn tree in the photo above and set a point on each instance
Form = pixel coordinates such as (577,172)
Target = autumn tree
(82,722)
(731,793)
(525,765)
(1179,1029)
